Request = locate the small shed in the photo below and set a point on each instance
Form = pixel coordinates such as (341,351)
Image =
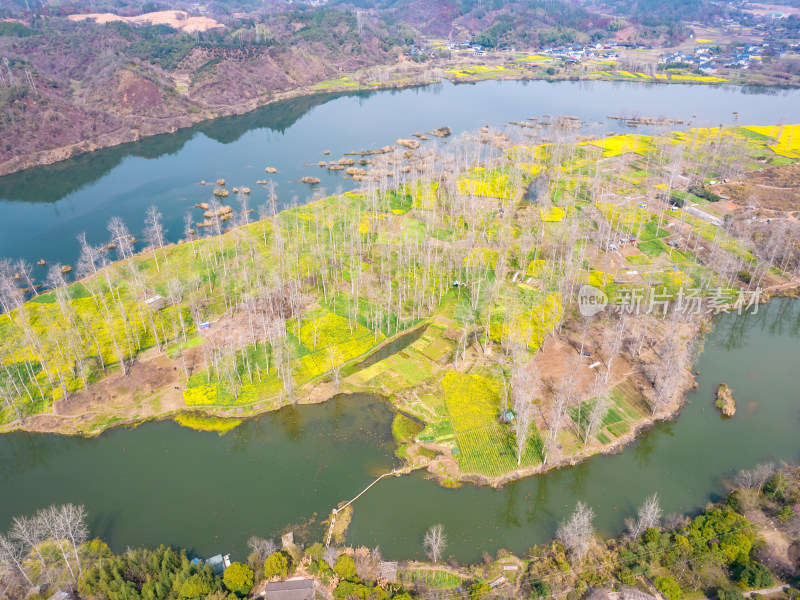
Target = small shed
(156,302)
(507,416)
(219,563)
(295,589)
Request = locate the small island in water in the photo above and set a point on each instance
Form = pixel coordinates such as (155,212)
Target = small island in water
(725,402)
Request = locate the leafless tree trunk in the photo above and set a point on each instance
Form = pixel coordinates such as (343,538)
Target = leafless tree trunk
(11,556)
(435,542)
(29,533)
(525,387)
(648,515)
(577,532)
(154,233)
(335,358)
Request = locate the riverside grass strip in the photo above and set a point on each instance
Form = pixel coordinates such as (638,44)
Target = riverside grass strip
(436,579)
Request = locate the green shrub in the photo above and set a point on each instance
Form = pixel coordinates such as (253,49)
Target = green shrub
(753,575)
(702,192)
(350,589)
(723,594)
(785,514)
(626,576)
(345,567)
(776,485)
(479,590)
(276,565)
(539,589)
(651,535)
(734,501)
(315,551)
(669,587)
(198,585)
(676,201)
(238,578)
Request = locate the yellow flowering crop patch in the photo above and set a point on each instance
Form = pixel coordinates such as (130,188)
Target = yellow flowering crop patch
(475,70)
(697,78)
(536,267)
(787,138)
(552,214)
(599,279)
(530,328)
(487,183)
(472,401)
(201,395)
(617,145)
(481,257)
(200,422)
(535,58)
(623,216)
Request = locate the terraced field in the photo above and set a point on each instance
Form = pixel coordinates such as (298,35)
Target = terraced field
(485,446)
(628,406)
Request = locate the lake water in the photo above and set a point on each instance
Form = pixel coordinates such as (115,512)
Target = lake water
(43,209)
(160,483)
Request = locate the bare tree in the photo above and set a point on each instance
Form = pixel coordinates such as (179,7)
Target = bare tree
(602,403)
(435,542)
(330,555)
(673,521)
(262,547)
(56,522)
(648,515)
(154,233)
(615,343)
(335,359)
(11,556)
(29,533)
(72,521)
(755,478)
(525,387)
(577,532)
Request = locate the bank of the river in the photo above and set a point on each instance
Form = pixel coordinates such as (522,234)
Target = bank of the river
(400,75)
(321,455)
(168,336)
(46,207)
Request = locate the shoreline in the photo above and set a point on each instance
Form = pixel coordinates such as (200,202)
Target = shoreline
(153,386)
(151,127)
(322,391)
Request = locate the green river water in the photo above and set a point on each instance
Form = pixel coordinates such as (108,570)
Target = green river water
(160,483)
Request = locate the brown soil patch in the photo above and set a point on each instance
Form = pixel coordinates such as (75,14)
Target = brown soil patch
(778,546)
(553,363)
(152,388)
(177,19)
(774,188)
(135,92)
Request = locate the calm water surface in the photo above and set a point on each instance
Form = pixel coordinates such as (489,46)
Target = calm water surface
(43,209)
(160,483)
